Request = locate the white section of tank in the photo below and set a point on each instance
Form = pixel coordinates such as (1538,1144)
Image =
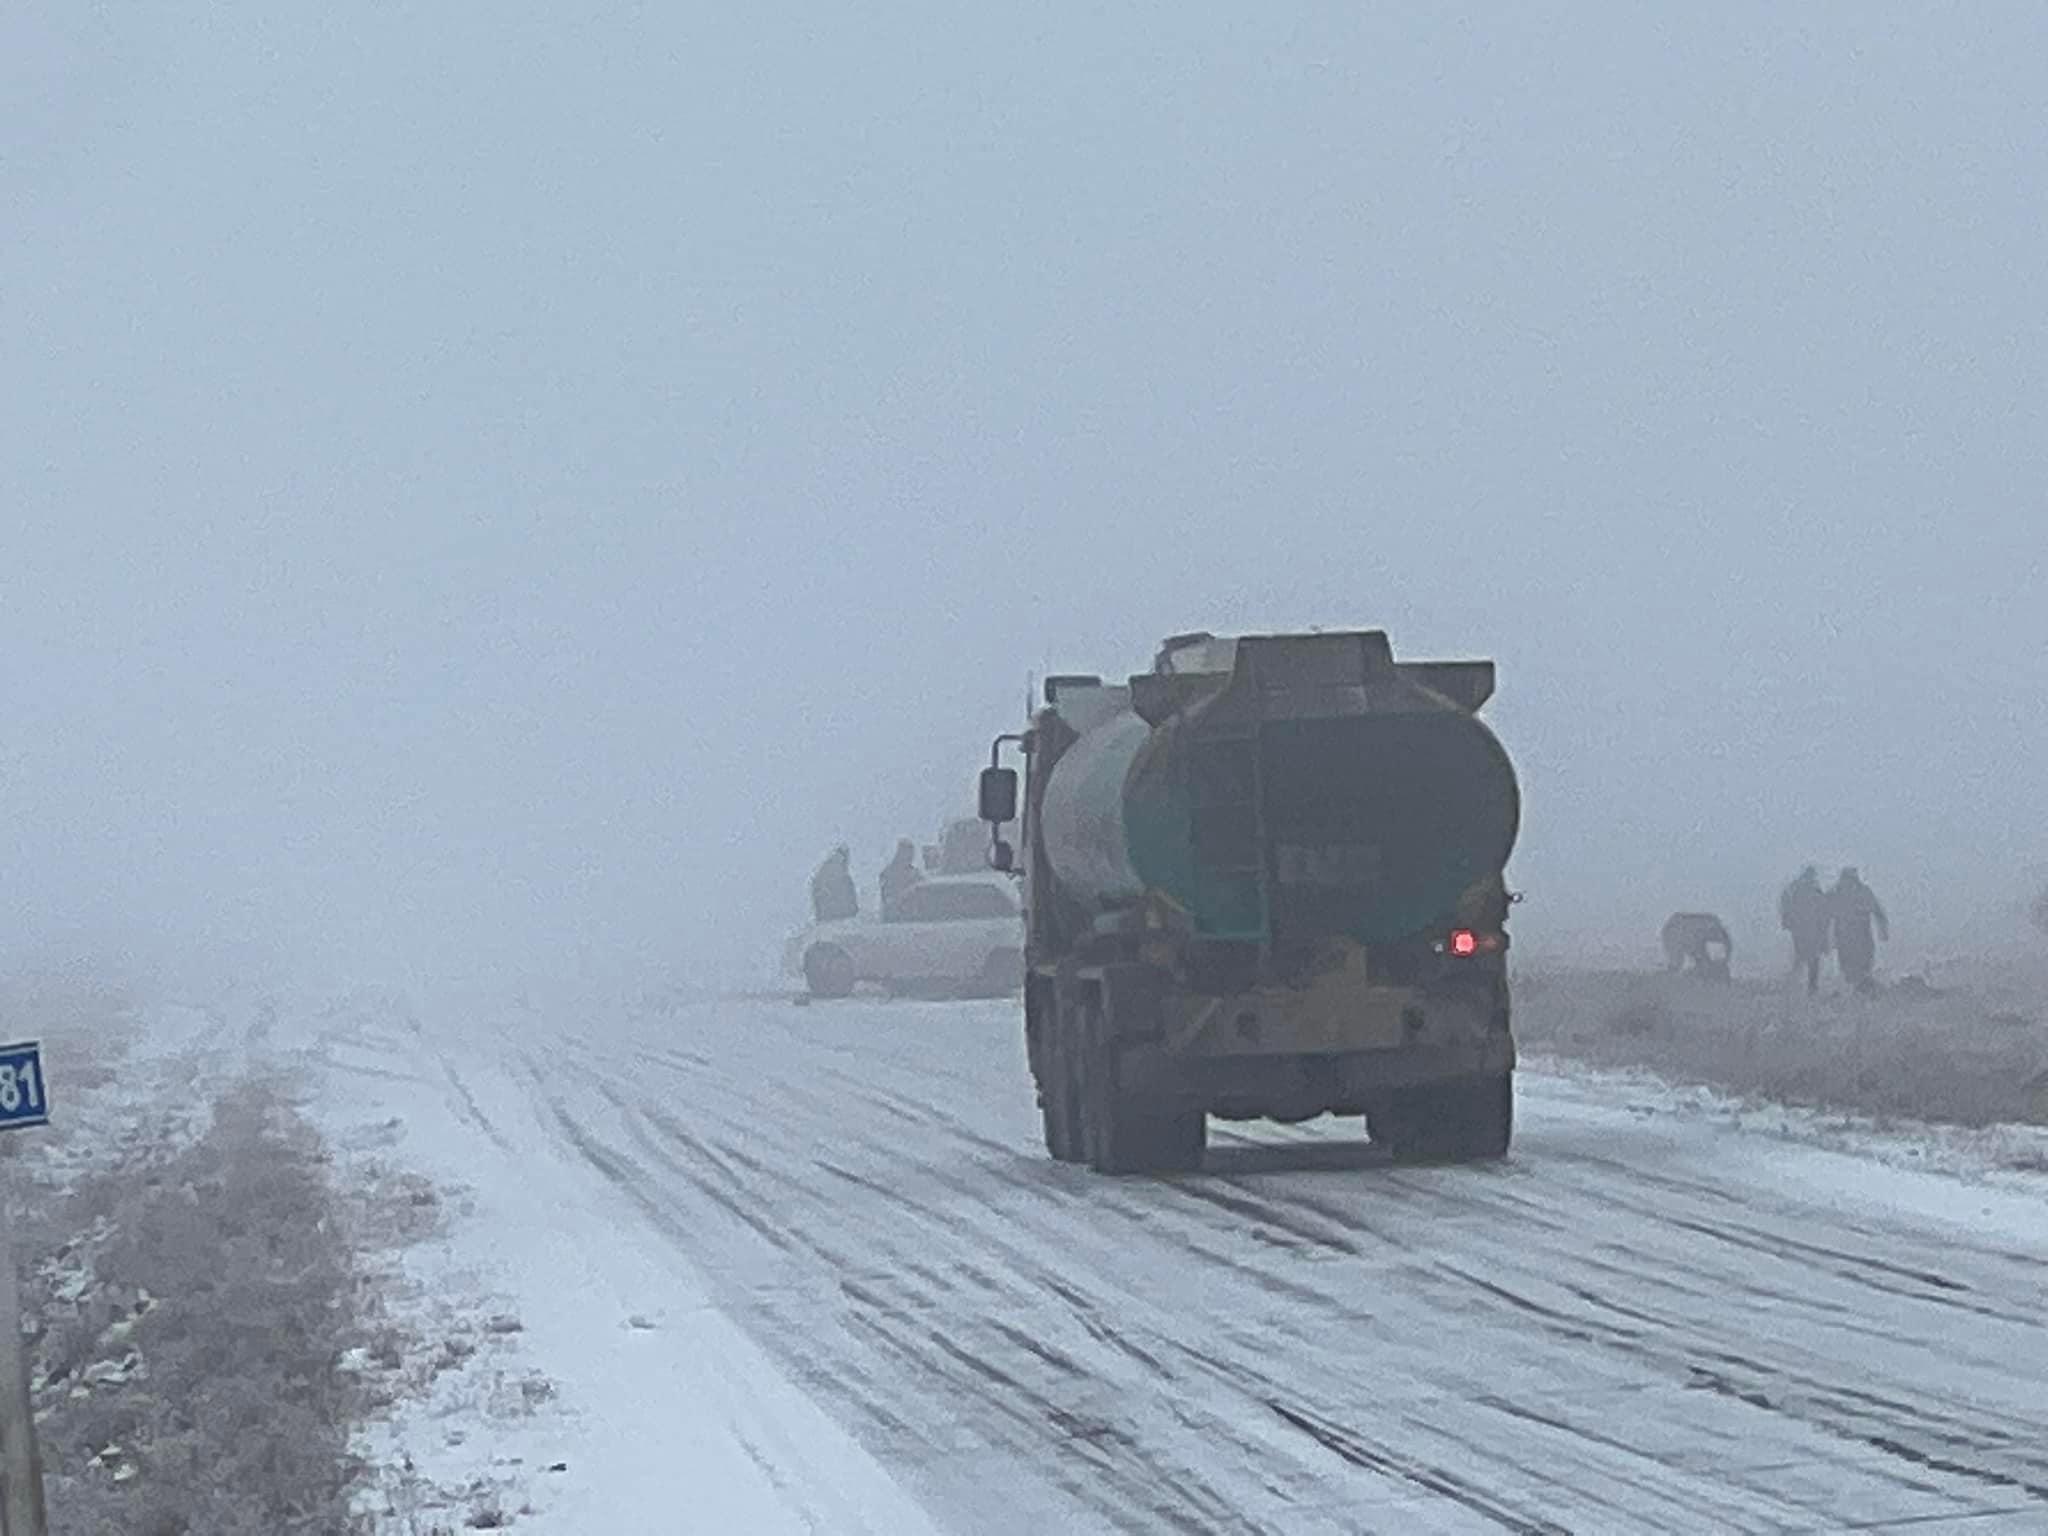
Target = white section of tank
(1081,815)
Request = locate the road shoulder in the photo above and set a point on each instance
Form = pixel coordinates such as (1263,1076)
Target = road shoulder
(660,1414)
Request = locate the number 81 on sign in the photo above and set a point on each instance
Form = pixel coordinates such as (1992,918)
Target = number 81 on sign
(24,1101)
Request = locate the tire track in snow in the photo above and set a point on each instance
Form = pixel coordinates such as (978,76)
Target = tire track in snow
(963,1241)
(1238,1375)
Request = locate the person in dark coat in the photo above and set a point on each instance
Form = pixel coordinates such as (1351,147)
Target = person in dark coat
(899,875)
(1854,910)
(832,891)
(963,847)
(1803,912)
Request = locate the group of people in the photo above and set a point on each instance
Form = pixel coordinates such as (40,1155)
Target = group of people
(1846,918)
(834,896)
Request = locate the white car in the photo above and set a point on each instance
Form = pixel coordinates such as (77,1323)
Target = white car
(951,934)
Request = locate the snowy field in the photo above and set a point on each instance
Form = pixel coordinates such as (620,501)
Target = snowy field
(753,1266)
(1961,1043)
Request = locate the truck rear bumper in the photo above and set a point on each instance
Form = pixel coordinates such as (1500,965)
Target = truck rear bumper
(1329,1047)
(1344,1009)
(1298,1087)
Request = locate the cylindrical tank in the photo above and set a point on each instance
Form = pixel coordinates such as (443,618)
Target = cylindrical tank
(1370,823)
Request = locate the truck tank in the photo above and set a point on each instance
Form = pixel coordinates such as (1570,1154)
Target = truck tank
(1281,790)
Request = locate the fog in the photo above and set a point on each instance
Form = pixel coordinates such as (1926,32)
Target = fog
(501,486)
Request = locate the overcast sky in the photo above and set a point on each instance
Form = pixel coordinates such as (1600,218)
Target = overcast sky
(481,479)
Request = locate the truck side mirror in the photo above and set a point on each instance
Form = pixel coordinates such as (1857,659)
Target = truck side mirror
(998,795)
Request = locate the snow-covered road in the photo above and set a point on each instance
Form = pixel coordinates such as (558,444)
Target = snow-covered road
(865,1300)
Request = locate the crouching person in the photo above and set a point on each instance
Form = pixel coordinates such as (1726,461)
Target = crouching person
(1699,940)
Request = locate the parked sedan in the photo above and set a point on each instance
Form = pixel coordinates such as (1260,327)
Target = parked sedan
(954,935)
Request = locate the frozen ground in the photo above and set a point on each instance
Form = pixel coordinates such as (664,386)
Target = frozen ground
(1962,1044)
(753,1266)
(805,1269)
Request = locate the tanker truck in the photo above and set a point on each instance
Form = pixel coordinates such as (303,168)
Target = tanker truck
(1264,880)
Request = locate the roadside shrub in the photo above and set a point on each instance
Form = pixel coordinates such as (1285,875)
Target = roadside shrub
(191,1362)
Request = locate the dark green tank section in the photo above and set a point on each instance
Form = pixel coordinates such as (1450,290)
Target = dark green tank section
(1304,796)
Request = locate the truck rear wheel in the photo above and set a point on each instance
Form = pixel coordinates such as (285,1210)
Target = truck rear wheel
(1469,1119)
(1123,1133)
(1489,1117)
(1059,1097)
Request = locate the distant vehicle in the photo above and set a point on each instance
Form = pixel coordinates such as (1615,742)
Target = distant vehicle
(949,935)
(962,849)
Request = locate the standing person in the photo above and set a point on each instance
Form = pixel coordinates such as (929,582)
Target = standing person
(1854,908)
(963,847)
(832,892)
(899,875)
(1803,912)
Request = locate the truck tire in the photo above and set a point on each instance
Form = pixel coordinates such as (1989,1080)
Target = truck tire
(1059,1096)
(1487,1117)
(1124,1134)
(1180,1138)
(1394,1121)
(828,971)
(1469,1119)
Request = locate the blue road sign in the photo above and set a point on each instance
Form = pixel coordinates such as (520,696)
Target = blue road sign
(24,1097)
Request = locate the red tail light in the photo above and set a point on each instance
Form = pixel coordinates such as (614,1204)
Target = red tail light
(1464,943)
